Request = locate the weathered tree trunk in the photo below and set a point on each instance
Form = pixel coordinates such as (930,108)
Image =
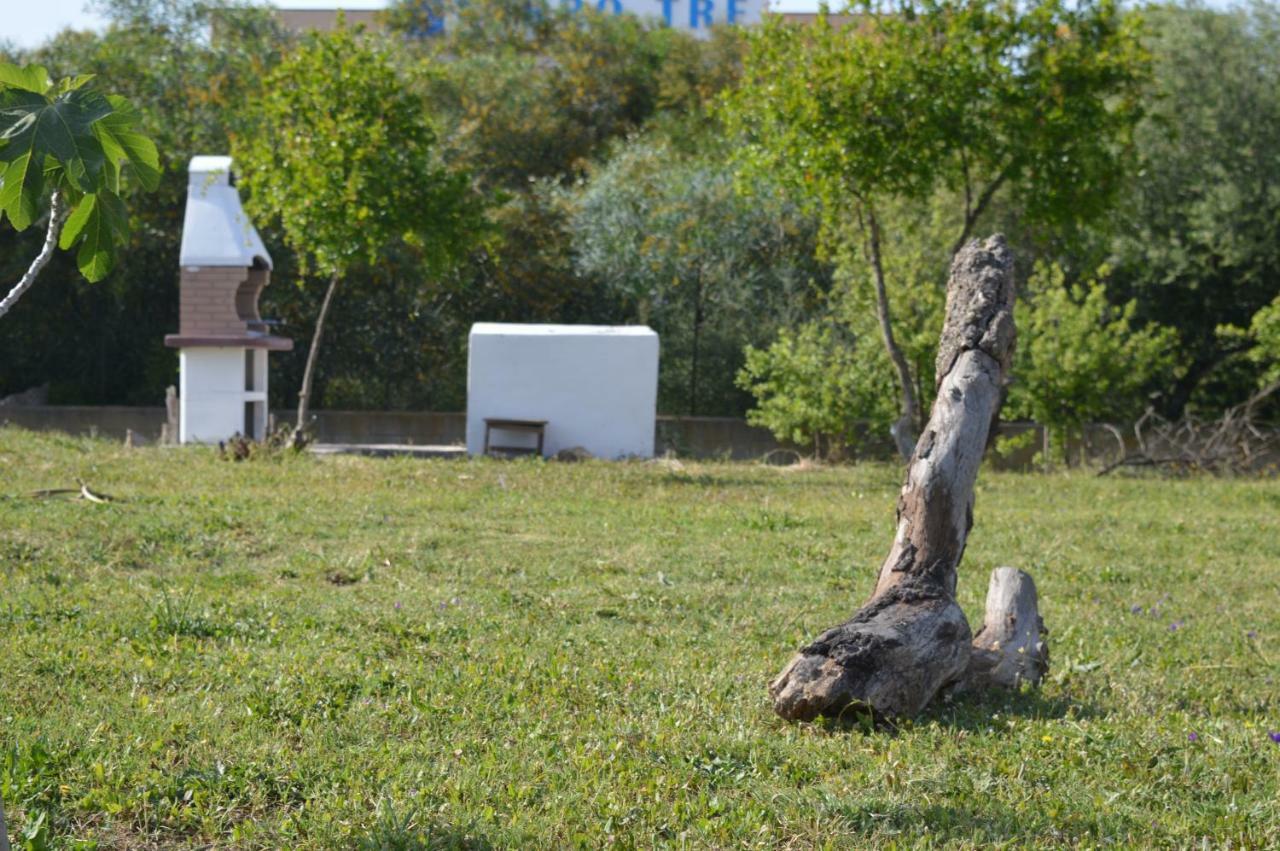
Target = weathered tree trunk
(300,439)
(911,639)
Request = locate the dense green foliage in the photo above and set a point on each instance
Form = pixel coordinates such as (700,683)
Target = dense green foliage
(968,97)
(1196,243)
(581,131)
(818,386)
(69,144)
(711,269)
(340,156)
(1082,359)
(303,653)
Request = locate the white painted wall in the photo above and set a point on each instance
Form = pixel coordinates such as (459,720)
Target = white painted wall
(597,386)
(212,393)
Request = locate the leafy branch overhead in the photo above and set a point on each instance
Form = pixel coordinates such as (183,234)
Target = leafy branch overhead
(70,143)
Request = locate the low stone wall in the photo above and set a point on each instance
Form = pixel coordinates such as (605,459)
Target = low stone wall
(689,437)
(419,428)
(698,437)
(98,420)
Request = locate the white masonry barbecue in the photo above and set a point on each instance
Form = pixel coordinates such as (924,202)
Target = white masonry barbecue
(222,342)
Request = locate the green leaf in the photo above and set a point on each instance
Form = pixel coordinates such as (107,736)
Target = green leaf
(33,78)
(95,256)
(100,224)
(123,143)
(21,185)
(70,84)
(62,129)
(75,223)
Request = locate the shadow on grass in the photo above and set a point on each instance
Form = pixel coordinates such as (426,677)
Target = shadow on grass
(973,710)
(797,481)
(970,711)
(982,823)
(404,832)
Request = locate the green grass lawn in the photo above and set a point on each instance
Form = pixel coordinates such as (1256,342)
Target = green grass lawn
(358,653)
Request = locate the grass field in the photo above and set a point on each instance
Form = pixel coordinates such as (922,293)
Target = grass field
(356,653)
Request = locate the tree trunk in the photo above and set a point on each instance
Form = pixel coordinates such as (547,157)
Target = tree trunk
(300,438)
(904,430)
(911,639)
(697,339)
(57,217)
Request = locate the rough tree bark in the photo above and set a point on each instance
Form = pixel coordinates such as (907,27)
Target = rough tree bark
(911,639)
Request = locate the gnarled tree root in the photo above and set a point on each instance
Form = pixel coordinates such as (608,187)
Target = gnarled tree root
(891,657)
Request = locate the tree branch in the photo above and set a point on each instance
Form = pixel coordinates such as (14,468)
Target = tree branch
(57,215)
(972,214)
(904,430)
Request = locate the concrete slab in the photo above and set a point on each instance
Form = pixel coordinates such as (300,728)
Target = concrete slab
(388,450)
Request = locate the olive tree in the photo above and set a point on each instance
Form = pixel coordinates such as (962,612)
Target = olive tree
(342,157)
(974,96)
(708,267)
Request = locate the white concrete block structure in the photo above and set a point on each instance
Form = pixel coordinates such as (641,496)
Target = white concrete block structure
(596,386)
(222,342)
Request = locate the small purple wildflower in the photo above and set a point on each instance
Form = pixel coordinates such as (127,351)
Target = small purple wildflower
(1251,634)
(399,605)
(1135,610)
(1176,625)
(1274,736)
(1193,737)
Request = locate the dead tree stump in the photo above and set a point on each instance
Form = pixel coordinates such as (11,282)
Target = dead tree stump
(911,639)
(1010,648)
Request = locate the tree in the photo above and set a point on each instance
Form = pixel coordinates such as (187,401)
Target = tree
(187,79)
(534,95)
(343,157)
(1197,240)
(1082,359)
(1265,330)
(972,95)
(815,387)
(74,143)
(710,269)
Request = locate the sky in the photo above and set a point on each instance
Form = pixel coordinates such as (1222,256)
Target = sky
(28,23)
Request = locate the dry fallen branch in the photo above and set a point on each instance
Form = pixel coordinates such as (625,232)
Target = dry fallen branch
(82,492)
(911,640)
(1235,443)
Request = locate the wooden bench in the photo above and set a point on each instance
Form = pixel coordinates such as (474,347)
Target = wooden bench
(537,427)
